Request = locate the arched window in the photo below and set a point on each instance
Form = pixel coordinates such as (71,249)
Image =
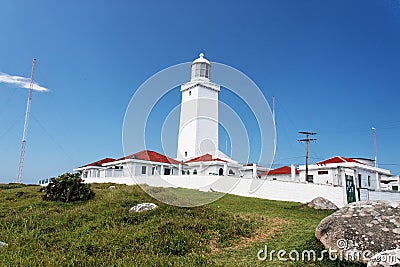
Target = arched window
(221,171)
(194,171)
(231,172)
(187,172)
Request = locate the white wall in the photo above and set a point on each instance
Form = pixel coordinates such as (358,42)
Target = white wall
(275,190)
(279,177)
(386,195)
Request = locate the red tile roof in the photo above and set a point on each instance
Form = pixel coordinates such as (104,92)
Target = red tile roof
(99,162)
(205,157)
(337,159)
(149,155)
(281,170)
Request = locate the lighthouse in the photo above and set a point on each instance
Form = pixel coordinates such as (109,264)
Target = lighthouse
(198,128)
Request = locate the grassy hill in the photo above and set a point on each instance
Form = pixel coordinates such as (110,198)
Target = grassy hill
(101,232)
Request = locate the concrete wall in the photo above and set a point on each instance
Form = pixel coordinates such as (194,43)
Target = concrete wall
(386,195)
(274,190)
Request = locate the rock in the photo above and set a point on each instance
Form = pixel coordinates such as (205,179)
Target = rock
(19,194)
(2,244)
(356,232)
(112,187)
(143,207)
(321,203)
(386,258)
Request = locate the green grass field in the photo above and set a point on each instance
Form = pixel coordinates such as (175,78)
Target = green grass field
(101,232)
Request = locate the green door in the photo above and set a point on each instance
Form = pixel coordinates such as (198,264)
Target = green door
(351,194)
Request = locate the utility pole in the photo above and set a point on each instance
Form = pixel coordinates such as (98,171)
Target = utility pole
(28,107)
(307,140)
(375,152)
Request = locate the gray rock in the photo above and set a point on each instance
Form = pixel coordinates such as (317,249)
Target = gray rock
(362,229)
(2,244)
(143,207)
(112,187)
(386,258)
(321,203)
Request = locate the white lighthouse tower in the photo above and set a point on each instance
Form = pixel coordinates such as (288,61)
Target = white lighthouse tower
(198,130)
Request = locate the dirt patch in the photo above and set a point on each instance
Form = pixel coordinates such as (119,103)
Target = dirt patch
(268,227)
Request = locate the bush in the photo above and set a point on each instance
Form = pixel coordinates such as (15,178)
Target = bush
(67,187)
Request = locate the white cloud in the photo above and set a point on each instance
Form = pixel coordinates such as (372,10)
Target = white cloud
(21,82)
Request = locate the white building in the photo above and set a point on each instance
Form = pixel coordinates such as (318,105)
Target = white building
(285,173)
(143,163)
(358,176)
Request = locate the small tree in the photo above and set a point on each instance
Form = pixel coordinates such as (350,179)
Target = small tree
(67,187)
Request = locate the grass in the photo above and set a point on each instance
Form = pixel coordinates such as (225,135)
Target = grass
(101,232)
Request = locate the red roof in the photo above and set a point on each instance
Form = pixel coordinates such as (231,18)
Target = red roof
(337,159)
(149,155)
(205,157)
(99,162)
(281,170)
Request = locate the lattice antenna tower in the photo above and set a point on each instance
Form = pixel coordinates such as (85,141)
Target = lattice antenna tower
(28,107)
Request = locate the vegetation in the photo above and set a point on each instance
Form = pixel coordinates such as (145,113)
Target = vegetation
(101,231)
(67,187)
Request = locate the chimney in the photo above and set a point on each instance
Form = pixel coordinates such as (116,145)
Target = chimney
(293,171)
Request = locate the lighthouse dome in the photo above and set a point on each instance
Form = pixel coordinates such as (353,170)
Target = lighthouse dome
(201,68)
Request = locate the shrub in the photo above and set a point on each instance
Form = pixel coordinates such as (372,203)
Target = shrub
(67,187)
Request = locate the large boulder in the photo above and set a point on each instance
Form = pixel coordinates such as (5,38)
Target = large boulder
(388,258)
(143,207)
(321,203)
(362,229)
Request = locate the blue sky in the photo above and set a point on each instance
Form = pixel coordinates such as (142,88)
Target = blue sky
(332,65)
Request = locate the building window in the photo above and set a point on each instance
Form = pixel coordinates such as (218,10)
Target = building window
(395,187)
(190,93)
(187,172)
(194,171)
(221,172)
(185,153)
(231,172)
(167,171)
(144,169)
(310,178)
(153,170)
(322,172)
(109,173)
(369,181)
